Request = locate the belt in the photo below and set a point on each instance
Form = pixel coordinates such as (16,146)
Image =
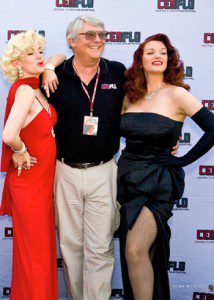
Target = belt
(83,165)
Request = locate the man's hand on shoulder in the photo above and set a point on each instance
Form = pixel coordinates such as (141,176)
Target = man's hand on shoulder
(49,81)
(49,77)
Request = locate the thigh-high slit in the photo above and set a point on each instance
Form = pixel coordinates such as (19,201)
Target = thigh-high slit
(140,184)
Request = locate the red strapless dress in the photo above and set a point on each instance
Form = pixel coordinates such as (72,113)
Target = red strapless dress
(29,199)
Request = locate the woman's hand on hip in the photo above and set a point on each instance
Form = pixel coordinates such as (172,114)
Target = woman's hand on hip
(23,161)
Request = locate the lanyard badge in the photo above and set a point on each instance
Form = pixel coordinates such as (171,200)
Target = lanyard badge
(90,123)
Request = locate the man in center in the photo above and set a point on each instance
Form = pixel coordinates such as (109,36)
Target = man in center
(88,101)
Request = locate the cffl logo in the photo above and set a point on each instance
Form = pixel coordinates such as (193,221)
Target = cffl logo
(181,203)
(202,296)
(75,3)
(118,293)
(209,38)
(188,72)
(185,138)
(8,232)
(6,291)
(208,103)
(107,86)
(206,170)
(175,266)
(11,33)
(205,234)
(59,263)
(123,37)
(176,4)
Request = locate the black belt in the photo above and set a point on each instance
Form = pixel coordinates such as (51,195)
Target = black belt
(83,165)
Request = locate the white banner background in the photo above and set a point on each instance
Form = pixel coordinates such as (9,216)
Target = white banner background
(191,262)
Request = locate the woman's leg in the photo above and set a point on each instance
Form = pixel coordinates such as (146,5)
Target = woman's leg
(138,243)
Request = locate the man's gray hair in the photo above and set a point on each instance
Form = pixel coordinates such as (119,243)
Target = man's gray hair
(75,27)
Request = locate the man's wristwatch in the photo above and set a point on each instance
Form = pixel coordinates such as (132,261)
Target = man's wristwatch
(49,67)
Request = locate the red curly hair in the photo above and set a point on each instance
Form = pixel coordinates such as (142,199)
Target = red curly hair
(136,86)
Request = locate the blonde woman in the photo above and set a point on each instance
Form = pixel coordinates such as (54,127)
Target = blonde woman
(28,138)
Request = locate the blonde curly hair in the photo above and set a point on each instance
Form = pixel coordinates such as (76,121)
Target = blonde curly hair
(17,46)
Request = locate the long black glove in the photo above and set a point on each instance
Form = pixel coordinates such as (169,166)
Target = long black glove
(205,120)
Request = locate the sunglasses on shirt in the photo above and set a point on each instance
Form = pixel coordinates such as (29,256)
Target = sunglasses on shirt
(91,35)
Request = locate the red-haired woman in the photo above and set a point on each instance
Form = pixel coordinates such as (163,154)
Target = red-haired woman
(150,179)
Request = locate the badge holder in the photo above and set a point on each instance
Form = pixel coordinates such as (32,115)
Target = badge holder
(90,125)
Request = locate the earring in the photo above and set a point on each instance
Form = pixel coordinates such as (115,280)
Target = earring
(20,72)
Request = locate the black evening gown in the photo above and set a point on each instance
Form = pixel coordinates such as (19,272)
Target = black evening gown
(142,182)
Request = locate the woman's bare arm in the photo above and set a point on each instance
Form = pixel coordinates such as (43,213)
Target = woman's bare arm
(15,122)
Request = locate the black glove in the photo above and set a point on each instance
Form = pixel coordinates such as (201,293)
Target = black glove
(205,120)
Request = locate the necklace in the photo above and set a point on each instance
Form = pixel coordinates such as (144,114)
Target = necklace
(47,109)
(151,95)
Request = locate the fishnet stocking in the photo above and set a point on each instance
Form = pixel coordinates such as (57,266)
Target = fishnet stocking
(138,243)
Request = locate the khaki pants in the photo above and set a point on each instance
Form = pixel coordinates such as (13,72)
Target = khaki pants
(86,210)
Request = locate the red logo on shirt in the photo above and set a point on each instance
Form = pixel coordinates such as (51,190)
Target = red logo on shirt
(107,86)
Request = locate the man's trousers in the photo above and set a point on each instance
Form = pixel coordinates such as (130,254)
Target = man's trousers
(86,209)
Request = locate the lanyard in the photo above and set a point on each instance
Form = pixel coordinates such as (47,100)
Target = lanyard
(91,100)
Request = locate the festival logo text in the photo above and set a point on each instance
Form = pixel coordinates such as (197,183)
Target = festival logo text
(176,5)
(11,33)
(177,267)
(208,39)
(181,204)
(123,37)
(77,5)
(205,236)
(208,103)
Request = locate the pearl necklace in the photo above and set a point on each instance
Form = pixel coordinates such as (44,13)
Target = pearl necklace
(151,95)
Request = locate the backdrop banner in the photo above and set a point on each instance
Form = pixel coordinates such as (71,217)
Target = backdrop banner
(189,25)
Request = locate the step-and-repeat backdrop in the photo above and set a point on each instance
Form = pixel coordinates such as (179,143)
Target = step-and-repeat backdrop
(189,24)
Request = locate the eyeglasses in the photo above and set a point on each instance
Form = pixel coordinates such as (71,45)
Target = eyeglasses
(90,35)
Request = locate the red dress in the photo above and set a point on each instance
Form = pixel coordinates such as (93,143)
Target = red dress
(29,199)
